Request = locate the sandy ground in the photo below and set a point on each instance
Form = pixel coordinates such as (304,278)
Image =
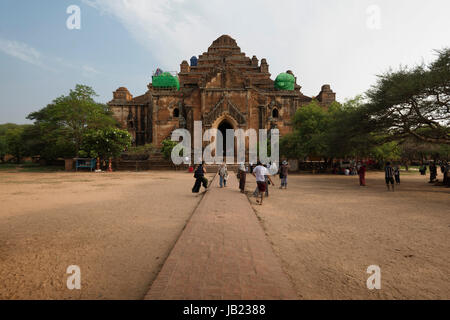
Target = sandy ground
(118,228)
(327,230)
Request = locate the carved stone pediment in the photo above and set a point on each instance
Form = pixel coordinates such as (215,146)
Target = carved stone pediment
(222,107)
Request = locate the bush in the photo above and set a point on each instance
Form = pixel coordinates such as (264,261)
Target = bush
(167,147)
(139,152)
(105,143)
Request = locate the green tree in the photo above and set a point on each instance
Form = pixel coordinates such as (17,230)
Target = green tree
(347,135)
(5,127)
(386,151)
(339,131)
(3,148)
(105,143)
(15,143)
(62,125)
(413,102)
(310,124)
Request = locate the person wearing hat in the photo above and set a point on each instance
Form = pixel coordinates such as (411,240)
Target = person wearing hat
(284,171)
(242,176)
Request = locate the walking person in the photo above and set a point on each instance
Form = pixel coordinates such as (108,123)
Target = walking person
(223,174)
(261,173)
(423,169)
(389,176)
(268,173)
(397,174)
(242,176)
(284,171)
(447,175)
(200,178)
(433,172)
(362,175)
(442,165)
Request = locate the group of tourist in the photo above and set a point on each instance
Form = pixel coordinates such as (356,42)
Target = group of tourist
(391,174)
(261,173)
(434,167)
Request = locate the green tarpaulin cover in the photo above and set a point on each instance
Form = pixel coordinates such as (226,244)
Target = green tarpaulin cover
(285,81)
(166,80)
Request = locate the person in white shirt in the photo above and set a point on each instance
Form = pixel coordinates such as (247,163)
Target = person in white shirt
(260,173)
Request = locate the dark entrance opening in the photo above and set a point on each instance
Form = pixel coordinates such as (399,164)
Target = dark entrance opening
(223,127)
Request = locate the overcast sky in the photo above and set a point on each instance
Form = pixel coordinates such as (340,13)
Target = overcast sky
(344,43)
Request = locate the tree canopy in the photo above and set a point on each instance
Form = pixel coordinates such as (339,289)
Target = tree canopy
(413,102)
(334,132)
(105,143)
(403,108)
(62,125)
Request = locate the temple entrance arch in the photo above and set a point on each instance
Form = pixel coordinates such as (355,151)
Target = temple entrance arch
(223,127)
(222,124)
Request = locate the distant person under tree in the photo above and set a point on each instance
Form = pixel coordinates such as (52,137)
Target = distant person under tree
(389,176)
(362,175)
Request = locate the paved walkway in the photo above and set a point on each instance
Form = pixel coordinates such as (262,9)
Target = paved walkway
(222,254)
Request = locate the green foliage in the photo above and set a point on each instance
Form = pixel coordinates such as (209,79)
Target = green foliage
(146,149)
(268,144)
(347,134)
(414,149)
(61,126)
(338,131)
(307,139)
(139,152)
(105,143)
(167,147)
(15,144)
(3,148)
(387,151)
(413,102)
(5,127)
(14,141)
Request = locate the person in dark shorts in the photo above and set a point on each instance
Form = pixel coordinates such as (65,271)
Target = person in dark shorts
(200,178)
(389,176)
(260,173)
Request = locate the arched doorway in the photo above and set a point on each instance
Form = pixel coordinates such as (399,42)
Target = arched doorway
(223,127)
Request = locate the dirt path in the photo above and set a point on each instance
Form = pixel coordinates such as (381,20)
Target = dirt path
(222,254)
(327,231)
(118,228)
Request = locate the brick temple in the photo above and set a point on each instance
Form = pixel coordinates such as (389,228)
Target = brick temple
(223,88)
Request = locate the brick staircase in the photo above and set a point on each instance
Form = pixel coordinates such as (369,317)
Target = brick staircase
(157,162)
